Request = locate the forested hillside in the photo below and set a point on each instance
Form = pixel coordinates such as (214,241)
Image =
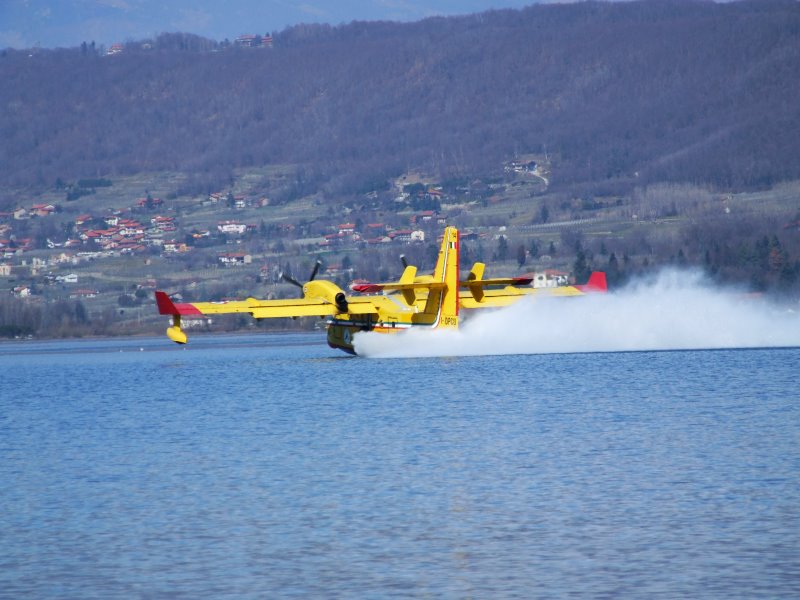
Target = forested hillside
(612,92)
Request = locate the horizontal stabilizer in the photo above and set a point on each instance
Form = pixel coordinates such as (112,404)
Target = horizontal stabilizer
(476,283)
(371,288)
(496,281)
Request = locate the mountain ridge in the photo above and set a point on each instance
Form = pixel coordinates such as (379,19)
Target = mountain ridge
(618,94)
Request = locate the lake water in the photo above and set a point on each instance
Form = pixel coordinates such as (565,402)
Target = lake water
(274,467)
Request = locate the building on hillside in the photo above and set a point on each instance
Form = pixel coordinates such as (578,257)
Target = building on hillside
(425,216)
(62,258)
(332,238)
(149,202)
(384,239)
(232,227)
(548,278)
(42,210)
(249,40)
(407,236)
(175,247)
(520,166)
(163,223)
(234,259)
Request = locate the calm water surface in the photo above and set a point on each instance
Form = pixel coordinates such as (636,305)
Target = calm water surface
(273,467)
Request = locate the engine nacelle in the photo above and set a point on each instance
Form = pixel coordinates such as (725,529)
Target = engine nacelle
(327,290)
(341,302)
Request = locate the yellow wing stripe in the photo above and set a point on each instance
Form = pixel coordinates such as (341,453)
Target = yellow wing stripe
(509,295)
(300,307)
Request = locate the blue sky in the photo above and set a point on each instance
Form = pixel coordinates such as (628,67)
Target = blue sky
(65,23)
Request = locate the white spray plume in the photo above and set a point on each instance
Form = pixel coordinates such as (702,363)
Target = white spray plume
(676,310)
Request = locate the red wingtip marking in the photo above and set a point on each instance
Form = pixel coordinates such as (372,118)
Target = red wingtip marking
(167,307)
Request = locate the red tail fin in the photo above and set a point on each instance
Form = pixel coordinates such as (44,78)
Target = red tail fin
(597,283)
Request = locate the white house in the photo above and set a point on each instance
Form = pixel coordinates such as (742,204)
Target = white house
(232,259)
(232,227)
(550,279)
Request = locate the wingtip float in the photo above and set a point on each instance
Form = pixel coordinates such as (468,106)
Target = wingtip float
(167,307)
(428,301)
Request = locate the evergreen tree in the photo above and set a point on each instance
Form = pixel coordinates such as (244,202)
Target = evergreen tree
(580,268)
(613,274)
(682,262)
(502,248)
(521,255)
(544,214)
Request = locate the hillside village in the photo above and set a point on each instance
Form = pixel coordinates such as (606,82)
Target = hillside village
(237,241)
(104,246)
(246,40)
(107,247)
(145,228)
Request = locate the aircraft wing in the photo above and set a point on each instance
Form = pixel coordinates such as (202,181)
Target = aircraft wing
(496,281)
(407,285)
(476,284)
(509,295)
(371,288)
(264,309)
(482,298)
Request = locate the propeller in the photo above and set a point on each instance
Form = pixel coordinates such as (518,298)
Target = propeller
(403,260)
(293,281)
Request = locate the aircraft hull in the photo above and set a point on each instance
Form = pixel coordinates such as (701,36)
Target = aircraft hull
(340,334)
(341,337)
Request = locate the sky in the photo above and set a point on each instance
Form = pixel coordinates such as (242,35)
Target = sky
(68,23)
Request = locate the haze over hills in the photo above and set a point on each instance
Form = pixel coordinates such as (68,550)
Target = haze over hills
(615,94)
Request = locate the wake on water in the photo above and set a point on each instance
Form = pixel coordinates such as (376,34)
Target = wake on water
(676,310)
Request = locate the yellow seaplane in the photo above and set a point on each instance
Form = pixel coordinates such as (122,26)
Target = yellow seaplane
(427,301)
